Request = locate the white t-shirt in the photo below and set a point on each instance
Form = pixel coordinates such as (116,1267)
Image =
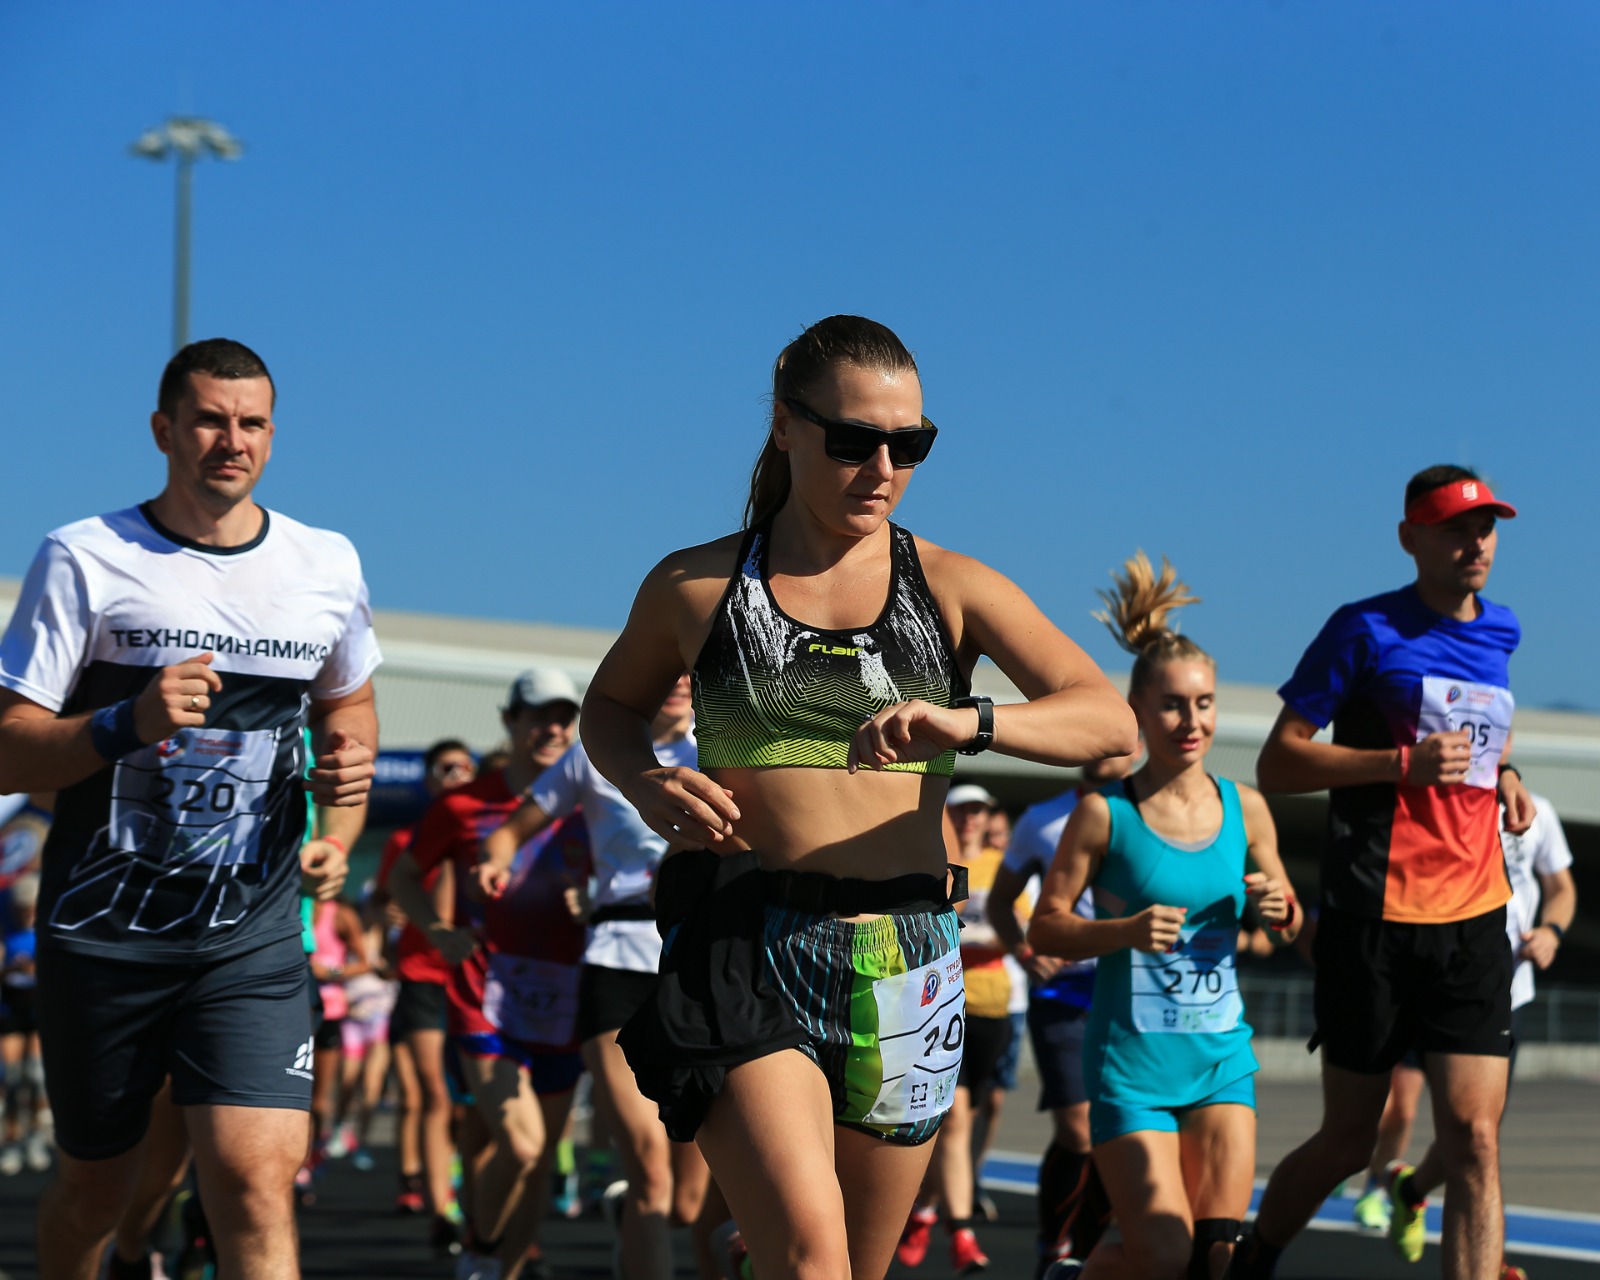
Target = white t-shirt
(188,847)
(1541,850)
(626,852)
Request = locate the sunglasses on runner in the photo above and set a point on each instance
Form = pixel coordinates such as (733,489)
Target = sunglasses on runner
(855,442)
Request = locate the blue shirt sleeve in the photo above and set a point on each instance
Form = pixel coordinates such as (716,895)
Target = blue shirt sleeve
(1333,669)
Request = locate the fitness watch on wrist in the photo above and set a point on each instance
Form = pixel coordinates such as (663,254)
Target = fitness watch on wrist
(984,738)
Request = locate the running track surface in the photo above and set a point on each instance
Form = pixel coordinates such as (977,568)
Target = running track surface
(352,1233)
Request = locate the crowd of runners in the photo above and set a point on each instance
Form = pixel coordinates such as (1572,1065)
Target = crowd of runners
(725,903)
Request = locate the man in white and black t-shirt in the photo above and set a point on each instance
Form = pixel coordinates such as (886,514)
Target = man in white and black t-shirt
(158,672)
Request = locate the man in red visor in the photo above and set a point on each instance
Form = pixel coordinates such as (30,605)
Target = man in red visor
(1411,947)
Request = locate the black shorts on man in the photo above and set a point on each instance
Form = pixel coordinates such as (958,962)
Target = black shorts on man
(231,1032)
(1391,987)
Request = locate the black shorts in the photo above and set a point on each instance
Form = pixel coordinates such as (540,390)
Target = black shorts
(329,1035)
(419,1006)
(17,1011)
(1384,987)
(983,1044)
(230,1032)
(609,997)
(1056,1029)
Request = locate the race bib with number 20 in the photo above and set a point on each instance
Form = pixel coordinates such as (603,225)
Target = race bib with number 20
(921,1026)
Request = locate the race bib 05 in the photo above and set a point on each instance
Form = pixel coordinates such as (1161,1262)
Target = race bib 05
(1483,710)
(921,1026)
(1190,989)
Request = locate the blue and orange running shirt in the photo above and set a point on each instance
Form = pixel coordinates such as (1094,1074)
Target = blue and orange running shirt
(1387,672)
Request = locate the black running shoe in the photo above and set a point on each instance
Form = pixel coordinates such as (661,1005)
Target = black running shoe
(445,1237)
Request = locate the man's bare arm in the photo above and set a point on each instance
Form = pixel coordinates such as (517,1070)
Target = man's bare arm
(41,751)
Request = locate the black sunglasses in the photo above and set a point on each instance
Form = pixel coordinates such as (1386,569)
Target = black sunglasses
(853,442)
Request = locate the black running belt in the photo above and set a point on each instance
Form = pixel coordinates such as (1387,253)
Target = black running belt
(623,911)
(820,894)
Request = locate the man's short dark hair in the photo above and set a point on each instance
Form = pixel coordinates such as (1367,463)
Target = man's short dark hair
(443,747)
(218,357)
(1431,478)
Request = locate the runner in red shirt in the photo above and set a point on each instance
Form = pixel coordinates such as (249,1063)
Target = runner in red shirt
(512,989)
(417,1026)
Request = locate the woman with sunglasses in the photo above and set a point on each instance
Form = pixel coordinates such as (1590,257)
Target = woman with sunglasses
(1167,1061)
(807,920)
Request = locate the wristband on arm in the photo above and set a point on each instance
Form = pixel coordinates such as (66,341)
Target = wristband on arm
(112,732)
(1405,762)
(1288,919)
(335,842)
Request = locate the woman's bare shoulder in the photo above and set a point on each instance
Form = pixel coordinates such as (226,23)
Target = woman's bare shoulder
(694,571)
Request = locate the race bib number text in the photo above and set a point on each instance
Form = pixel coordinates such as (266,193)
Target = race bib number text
(198,796)
(921,1025)
(1190,989)
(531,1000)
(1483,710)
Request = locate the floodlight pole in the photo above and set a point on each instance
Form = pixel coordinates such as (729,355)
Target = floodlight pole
(180,268)
(185,139)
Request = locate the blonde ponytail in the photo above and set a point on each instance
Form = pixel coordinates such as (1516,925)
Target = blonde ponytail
(1138,614)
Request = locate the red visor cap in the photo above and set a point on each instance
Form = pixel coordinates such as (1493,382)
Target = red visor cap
(1438,505)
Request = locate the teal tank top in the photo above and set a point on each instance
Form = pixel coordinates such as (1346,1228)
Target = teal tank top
(1169,1030)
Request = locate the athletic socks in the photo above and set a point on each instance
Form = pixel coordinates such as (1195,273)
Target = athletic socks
(1254,1259)
(1404,1188)
(1073,1207)
(1061,1177)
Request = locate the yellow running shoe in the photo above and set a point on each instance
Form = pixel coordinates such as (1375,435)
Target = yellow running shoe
(1372,1210)
(1407,1227)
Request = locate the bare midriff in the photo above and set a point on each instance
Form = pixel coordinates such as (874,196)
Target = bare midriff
(866,826)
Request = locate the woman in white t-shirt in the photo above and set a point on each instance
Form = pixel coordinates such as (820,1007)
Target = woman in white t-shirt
(666,1181)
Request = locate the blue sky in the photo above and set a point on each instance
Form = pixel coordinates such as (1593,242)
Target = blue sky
(1208,279)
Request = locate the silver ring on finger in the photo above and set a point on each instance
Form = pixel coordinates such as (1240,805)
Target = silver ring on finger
(194,702)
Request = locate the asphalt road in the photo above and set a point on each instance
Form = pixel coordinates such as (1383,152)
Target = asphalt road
(1551,1148)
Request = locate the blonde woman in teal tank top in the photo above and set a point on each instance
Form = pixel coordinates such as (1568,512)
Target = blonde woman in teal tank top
(1172,854)
(831,652)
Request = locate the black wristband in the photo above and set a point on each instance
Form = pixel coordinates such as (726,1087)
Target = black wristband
(1561,934)
(1508,767)
(984,738)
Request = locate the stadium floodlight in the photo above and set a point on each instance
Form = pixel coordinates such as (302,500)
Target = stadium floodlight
(185,139)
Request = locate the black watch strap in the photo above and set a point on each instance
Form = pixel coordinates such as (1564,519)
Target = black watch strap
(984,738)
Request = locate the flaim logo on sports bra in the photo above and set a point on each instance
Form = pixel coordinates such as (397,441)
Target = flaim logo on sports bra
(833,650)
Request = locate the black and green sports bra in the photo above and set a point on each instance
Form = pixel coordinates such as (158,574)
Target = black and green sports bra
(769,690)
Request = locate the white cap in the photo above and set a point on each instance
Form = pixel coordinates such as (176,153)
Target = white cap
(542,685)
(970,793)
